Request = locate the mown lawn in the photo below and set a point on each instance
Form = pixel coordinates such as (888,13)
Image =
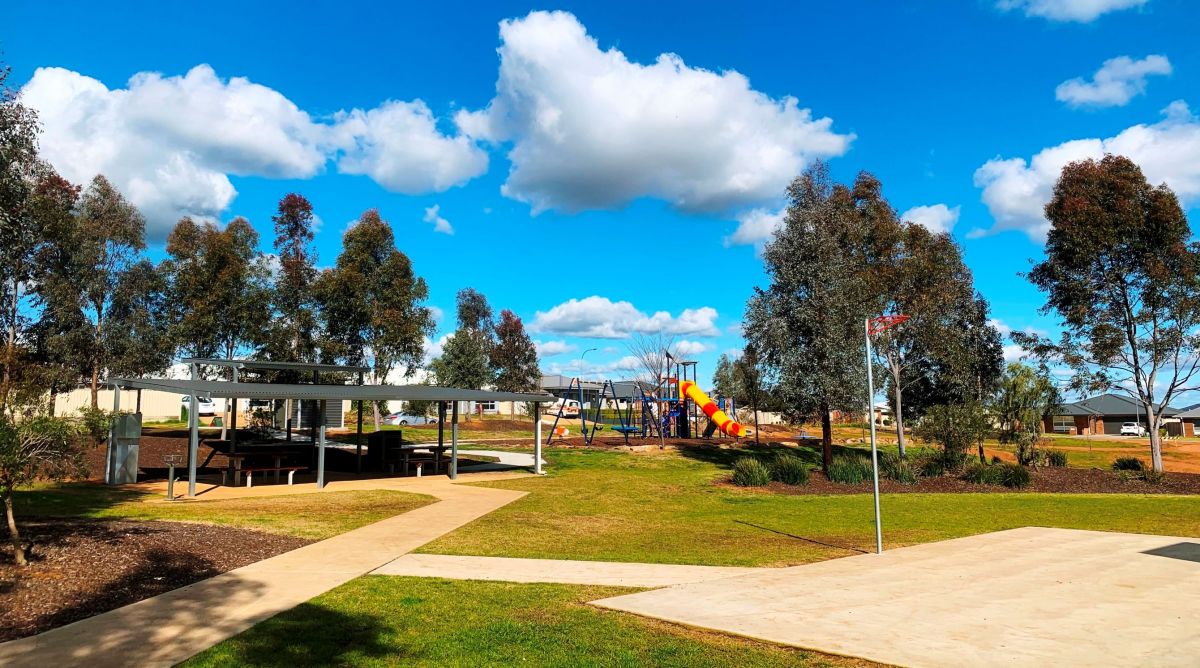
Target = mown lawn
(664,508)
(382,620)
(314,516)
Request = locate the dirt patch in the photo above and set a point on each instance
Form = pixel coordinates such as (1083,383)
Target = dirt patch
(1045,480)
(80,568)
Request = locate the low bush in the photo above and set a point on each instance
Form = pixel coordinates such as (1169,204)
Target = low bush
(1153,477)
(939,463)
(1056,458)
(790,470)
(900,470)
(849,470)
(1128,464)
(1013,476)
(750,472)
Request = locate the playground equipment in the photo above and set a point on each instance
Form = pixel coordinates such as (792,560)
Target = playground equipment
(726,424)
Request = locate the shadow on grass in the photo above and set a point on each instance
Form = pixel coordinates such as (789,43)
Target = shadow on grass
(72,499)
(310,634)
(809,452)
(807,540)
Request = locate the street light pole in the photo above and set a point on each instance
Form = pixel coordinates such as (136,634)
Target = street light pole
(582,415)
(874,450)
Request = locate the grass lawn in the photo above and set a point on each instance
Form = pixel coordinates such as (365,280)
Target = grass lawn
(663,508)
(314,516)
(381,620)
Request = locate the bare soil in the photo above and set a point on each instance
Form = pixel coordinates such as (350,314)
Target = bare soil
(1045,480)
(80,568)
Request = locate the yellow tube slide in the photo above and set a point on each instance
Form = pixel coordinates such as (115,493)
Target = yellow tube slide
(725,423)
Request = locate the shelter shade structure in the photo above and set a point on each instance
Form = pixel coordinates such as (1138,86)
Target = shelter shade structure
(319,393)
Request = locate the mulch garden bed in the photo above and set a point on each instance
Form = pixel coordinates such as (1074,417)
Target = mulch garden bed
(79,568)
(1046,480)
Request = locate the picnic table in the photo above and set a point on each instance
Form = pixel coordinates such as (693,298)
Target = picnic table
(406,452)
(259,450)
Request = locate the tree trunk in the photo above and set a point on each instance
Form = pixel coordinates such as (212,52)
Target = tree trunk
(894,367)
(982,457)
(826,438)
(1156,461)
(375,413)
(96,365)
(14,535)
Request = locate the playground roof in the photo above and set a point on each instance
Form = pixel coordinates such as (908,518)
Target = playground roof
(226,389)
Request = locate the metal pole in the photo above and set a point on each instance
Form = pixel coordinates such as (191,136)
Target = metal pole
(537,438)
(233,417)
(193,439)
(874,450)
(582,414)
(454,442)
(110,468)
(358,437)
(321,446)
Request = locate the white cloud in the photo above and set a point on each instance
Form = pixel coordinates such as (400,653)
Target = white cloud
(1082,11)
(756,226)
(601,318)
(686,347)
(1113,85)
(170,143)
(399,146)
(433,215)
(937,218)
(1014,353)
(623,367)
(734,353)
(551,348)
(1016,191)
(434,349)
(437,313)
(590,129)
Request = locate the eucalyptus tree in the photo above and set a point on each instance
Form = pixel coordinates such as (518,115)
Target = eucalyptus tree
(1024,397)
(294,334)
(372,303)
(515,358)
(20,229)
(1122,274)
(108,239)
(807,324)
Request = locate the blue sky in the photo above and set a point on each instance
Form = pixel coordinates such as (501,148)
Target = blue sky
(598,173)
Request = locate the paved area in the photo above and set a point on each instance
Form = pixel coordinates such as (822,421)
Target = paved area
(507,460)
(505,569)
(1024,597)
(169,628)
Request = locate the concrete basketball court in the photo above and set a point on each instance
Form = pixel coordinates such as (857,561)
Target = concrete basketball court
(1024,597)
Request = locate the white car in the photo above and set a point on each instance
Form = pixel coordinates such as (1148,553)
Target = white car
(405,419)
(204,405)
(1132,429)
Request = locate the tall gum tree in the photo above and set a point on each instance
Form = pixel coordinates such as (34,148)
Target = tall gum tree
(1124,279)
(372,303)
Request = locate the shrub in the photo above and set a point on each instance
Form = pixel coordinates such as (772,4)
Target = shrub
(1056,458)
(790,470)
(750,472)
(891,466)
(1013,476)
(1153,477)
(1128,464)
(940,462)
(849,470)
(996,459)
(983,474)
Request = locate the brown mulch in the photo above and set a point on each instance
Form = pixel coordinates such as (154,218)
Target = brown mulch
(1046,480)
(80,568)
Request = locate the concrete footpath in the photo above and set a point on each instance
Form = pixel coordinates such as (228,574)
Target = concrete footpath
(609,573)
(171,627)
(1023,597)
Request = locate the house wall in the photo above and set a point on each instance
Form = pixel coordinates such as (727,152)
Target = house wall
(156,406)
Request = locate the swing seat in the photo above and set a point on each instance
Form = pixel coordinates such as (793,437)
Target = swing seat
(626,430)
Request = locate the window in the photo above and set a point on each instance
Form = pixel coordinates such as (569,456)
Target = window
(1064,422)
(487,406)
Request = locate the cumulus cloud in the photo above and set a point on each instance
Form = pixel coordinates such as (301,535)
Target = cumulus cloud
(1113,85)
(171,142)
(434,349)
(551,348)
(599,369)
(937,218)
(399,146)
(433,215)
(590,129)
(686,347)
(601,318)
(1081,11)
(1016,190)
(756,227)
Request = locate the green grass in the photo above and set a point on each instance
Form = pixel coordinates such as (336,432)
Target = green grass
(664,508)
(387,621)
(314,516)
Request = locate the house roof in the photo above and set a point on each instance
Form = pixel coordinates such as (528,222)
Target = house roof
(1109,404)
(225,389)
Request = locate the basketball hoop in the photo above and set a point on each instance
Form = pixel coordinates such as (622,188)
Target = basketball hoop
(883,323)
